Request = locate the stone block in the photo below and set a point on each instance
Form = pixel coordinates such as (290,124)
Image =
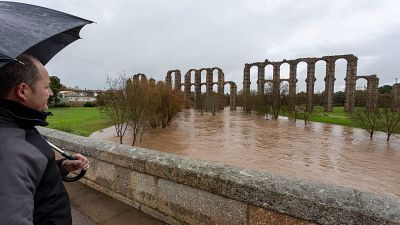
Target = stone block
(261,216)
(90,174)
(194,173)
(104,174)
(195,206)
(143,188)
(122,181)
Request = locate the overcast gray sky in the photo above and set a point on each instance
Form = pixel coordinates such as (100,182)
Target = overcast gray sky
(154,36)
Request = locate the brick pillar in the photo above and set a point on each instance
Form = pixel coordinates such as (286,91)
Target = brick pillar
(372,92)
(187,84)
(197,84)
(260,78)
(246,85)
(292,85)
(396,97)
(168,79)
(233,91)
(246,78)
(351,81)
(329,83)
(209,80)
(178,81)
(221,86)
(310,82)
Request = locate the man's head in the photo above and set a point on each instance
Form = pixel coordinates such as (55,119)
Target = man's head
(26,82)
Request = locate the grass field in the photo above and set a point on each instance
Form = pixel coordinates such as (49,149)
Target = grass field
(80,121)
(337,116)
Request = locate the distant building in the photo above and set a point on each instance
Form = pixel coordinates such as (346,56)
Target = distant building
(78,97)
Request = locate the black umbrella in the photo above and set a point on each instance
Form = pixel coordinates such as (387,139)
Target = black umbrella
(37,31)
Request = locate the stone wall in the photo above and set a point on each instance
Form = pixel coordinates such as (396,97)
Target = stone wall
(183,191)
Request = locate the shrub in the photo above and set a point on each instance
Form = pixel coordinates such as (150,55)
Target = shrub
(89,104)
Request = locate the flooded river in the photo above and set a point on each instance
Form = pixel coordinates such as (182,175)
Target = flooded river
(329,153)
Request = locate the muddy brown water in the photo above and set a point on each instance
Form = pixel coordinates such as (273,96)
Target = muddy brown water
(317,151)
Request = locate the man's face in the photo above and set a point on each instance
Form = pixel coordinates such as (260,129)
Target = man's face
(40,91)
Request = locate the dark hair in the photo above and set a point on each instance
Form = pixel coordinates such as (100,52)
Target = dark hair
(12,74)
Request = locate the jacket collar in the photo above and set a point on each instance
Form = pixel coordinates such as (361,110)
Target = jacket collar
(22,114)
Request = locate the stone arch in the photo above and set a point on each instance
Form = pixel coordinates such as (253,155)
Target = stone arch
(284,86)
(284,70)
(270,85)
(328,79)
(203,72)
(372,91)
(220,79)
(208,82)
(177,81)
(140,76)
(246,77)
(188,81)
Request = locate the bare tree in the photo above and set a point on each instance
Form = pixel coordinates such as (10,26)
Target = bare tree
(170,103)
(302,109)
(137,100)
(211,102)
(367,118)
(390,115)
(115,105)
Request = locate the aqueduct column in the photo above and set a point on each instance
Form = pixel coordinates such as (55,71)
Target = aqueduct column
(372,90)
(197,83)
(292,84)
(221,82)
(246,85)
(178,80)
(187,84)
(209,80)
(246,78)
(396,97)
(260,78)
(351,77)
(168,79)
(329,83)
(233,92)
(310,81)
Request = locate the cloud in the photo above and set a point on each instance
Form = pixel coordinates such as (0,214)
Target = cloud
(153,37)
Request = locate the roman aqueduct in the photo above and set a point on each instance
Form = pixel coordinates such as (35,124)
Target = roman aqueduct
(351,78)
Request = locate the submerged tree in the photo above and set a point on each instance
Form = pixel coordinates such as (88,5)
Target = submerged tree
(390,115)
(114,105)
(302,109)
(367,118)
(139,104)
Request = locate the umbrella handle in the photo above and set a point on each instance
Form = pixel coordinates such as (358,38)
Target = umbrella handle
(69,157)
(76,178)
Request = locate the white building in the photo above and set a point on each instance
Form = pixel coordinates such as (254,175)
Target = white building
(77,96)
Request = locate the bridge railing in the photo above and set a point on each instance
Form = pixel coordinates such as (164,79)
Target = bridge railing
(179,190)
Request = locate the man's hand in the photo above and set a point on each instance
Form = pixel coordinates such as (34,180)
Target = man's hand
(81,163)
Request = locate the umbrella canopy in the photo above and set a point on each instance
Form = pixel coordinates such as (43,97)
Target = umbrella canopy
(34,30)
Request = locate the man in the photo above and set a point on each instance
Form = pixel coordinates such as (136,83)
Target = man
(31,187)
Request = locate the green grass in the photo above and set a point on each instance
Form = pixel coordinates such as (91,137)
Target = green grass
(337,116)
(80,121)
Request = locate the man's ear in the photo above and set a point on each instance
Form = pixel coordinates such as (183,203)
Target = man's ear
(21,91)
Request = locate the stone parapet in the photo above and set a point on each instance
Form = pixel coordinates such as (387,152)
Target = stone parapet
(184,191)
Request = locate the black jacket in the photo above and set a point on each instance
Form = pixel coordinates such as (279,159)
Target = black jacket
(31,187)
